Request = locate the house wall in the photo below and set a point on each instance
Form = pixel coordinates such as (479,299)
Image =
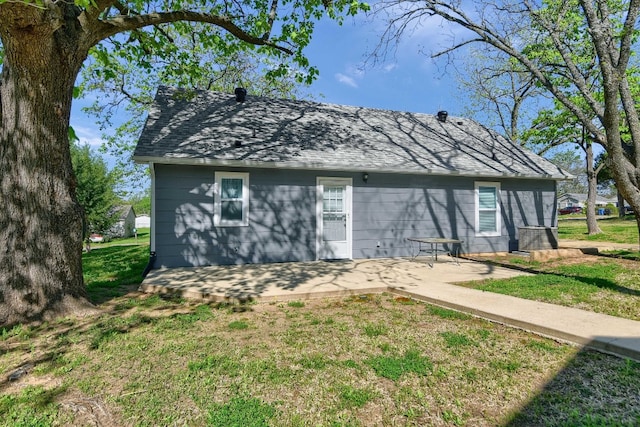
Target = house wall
(124,227)
(282,218)
(143,221)
(129,224)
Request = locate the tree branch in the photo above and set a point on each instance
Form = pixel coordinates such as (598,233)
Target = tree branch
(272,19)
(628,31)
(121,24)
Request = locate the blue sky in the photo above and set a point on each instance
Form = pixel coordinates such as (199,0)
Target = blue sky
(408,80)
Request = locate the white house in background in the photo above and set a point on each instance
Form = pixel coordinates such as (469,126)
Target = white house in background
(126,222)
(143,221)
(568,200)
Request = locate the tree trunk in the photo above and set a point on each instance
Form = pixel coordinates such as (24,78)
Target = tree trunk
(592,192)
(621,203)
(40,220)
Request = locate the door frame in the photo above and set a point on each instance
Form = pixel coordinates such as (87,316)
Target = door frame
(321,181)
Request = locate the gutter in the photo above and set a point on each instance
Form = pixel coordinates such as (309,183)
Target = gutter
(191,161)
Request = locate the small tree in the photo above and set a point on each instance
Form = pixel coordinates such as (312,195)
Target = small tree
(559,127)
(95,190)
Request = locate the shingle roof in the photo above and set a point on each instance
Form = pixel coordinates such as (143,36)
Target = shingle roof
(122,211)
(202,127)
(581,197)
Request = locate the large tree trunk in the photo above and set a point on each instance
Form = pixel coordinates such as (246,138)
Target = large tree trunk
(40,220)
(592,192)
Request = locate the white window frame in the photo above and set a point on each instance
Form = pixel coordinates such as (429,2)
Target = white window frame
(498,230)
(217,208)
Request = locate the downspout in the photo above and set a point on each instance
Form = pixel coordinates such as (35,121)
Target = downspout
(152,231)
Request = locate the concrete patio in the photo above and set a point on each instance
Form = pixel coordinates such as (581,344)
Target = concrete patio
(412,278)
(300,280)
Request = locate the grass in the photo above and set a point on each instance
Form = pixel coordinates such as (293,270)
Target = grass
(112,271)
(147,360)
(178,362)
(241,412)
(394,367)
(609,285)
(614,230)
(600,284)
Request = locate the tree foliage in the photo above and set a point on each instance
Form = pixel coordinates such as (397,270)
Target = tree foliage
(501,93)
(95,190)
(141,202)
(45,44)
(571,161)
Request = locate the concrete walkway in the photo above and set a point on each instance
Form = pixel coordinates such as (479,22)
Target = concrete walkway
(600,246)
(411,278)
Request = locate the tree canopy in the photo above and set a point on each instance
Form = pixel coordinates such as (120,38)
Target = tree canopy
(45,44)
(126,95)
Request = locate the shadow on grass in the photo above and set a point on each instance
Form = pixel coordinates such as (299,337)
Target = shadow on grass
(584,393)
(604,284)
(596,274)
(622,254)
(596,280)
(591,389)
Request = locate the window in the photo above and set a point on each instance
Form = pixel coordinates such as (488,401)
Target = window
(487,196)
(232,199)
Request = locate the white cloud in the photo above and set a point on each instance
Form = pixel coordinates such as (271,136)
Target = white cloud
(87,135)
(389,67)
(347,80)
(356,71)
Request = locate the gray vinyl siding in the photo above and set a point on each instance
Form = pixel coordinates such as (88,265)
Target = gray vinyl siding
(392,208)
(281,218)
(282,215)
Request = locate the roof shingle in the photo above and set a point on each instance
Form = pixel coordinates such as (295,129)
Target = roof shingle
(201,127)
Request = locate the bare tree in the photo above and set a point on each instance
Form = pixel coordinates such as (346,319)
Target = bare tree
(562,35)
(498,90)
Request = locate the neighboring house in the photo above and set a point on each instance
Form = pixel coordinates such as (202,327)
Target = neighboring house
(143,221)
(273,180)
(126,222)
(567,200)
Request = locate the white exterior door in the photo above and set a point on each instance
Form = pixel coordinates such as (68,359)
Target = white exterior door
(333,210)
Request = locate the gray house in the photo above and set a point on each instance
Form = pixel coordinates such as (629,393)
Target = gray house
(253,180)
(566,200)
(125,223)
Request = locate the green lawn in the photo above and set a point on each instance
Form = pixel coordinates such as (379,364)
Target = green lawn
(609,285)
(379,360)
(613,230)
(110,271)
(599,284)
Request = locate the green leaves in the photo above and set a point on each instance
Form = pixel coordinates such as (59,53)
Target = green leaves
(95,188)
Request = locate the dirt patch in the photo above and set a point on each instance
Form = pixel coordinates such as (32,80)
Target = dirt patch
(87,411)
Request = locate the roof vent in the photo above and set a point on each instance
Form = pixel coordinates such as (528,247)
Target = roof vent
(241,94)
(442,116)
